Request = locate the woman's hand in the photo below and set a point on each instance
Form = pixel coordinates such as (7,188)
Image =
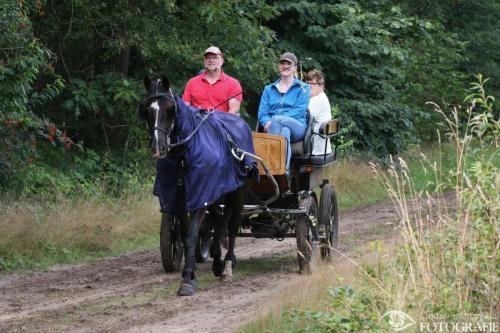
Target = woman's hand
(266,126)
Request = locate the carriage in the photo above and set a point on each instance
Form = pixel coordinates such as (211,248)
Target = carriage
(302,206)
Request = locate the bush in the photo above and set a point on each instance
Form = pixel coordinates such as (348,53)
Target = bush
(348,312)
(27,82)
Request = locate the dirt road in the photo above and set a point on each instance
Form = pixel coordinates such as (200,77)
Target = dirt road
(131,293)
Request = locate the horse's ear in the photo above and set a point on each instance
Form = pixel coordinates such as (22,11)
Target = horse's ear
(147,82)
(165,82)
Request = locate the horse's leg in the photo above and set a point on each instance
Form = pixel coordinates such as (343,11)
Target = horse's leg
(233,218)
(188,284)
(215,251)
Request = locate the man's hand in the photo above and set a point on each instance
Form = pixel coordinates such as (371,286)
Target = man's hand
(266,126)
(234,106)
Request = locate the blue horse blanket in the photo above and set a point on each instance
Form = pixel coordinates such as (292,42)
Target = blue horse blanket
(212,171)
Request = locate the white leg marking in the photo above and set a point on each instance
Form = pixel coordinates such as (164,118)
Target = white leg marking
(227,274)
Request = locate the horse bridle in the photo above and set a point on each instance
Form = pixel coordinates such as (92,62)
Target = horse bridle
(154,95)
(167,132)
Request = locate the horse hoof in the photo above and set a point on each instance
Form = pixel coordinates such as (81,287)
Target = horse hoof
(227,274)
(217,267)
(187,289)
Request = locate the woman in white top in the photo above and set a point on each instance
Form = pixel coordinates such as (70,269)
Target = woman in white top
(319,108)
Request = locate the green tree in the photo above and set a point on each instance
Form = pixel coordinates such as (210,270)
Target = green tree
(463,40)
(27,82)
(105,48)
(475,23)
(362,50)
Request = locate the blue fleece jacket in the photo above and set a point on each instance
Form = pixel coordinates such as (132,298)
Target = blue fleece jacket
(292,104)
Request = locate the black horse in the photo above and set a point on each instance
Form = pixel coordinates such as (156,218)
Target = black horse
(199,162)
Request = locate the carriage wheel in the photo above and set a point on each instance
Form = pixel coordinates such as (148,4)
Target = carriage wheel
(328,221)
(306,233)
(171,245)
(202,251)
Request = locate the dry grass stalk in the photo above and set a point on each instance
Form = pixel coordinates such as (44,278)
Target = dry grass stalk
(88,224)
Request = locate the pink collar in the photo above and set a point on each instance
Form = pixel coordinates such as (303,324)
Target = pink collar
(221,78)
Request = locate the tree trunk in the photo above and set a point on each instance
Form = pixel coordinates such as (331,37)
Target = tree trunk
(123,60)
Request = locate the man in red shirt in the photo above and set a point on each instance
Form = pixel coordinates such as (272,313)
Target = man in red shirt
(214,89)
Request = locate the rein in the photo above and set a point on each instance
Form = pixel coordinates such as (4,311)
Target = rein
(170,147)
(203,120)
(225,101)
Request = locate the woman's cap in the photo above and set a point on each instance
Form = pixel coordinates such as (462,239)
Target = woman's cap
(289,56)
(213,49)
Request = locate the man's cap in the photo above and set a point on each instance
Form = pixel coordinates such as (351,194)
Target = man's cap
(213,49)
(289,56)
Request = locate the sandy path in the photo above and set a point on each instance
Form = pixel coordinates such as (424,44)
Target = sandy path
(131,293)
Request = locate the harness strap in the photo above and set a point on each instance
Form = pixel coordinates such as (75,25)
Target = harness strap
(181,191)
(181,171)
(235,149)
(229,137)
(192,133)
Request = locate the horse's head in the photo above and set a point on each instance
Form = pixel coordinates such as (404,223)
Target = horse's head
(159,110)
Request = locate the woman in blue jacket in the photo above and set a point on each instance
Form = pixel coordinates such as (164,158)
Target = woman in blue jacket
(283,105)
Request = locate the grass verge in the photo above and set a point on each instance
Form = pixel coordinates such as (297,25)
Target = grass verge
(38,235)
(357,185)
(310,292)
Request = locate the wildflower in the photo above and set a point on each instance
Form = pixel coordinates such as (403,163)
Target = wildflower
(50,137)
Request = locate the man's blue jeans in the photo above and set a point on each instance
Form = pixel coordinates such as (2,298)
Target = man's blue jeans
(292,129)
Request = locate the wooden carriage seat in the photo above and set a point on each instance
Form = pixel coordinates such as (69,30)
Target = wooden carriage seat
(301,151)
(271,148)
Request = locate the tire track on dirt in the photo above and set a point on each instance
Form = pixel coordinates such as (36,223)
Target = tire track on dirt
(131,293)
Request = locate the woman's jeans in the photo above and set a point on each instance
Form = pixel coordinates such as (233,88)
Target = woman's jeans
(292,129)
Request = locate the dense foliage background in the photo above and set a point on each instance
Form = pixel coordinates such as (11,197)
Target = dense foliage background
(71,72)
